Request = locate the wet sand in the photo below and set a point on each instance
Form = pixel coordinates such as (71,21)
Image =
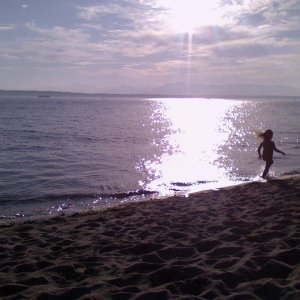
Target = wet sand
(241,242)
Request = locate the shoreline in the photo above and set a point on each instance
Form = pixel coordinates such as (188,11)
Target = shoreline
(20,216)
(207,187)
(236,242)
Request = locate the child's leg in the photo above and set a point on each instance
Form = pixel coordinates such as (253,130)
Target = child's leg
(267,167)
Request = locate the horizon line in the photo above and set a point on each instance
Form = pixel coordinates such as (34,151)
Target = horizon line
(155,95)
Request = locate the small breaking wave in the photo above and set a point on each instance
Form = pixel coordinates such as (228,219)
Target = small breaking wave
(291,173)
(188,184)
(75,197)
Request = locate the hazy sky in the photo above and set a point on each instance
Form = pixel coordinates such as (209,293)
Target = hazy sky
(111,45)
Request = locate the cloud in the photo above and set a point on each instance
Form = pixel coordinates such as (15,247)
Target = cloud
(55,45)
(5,27)
(257,13)
(76,46)
(130,41)
(219,34)
(7,54)
(242,51)
(90,12)
(128,33)
(120,45)
(59,33)
(122,15)
(252,19)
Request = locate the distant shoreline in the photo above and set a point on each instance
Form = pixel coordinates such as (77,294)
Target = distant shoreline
(48,94)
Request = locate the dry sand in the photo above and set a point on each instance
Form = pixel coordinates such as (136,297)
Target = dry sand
(235,243)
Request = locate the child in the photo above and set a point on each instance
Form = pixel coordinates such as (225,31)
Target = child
(268,147)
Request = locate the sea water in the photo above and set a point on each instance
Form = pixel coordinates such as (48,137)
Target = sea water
(79,153)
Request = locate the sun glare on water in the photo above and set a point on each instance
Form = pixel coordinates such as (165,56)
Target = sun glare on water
(196,130)
(184,16)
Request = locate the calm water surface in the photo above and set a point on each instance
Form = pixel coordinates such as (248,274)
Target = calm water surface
(82,153)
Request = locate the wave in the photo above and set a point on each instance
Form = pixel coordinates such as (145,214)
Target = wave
(187,184)
(75,197)
(130,194)
(291,173)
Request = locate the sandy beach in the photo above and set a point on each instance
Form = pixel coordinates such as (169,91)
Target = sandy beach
(240,242)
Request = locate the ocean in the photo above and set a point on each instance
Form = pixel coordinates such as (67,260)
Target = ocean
(67,153)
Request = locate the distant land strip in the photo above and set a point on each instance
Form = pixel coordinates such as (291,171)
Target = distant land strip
(46,94)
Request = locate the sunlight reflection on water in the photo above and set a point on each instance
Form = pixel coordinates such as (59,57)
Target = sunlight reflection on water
(88,153)
(194,132)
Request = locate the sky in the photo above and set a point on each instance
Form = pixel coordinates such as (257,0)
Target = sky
(150,46)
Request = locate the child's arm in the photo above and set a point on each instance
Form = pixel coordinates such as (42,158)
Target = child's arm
(258,150)
(277,150)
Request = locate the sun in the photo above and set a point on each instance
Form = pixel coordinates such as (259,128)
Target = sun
(184,16)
